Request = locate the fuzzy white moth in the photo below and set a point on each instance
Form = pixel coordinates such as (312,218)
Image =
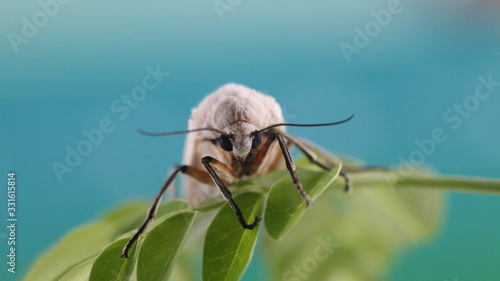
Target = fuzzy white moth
(238,111)
(236,133)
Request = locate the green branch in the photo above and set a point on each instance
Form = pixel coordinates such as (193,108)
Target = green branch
(427,181)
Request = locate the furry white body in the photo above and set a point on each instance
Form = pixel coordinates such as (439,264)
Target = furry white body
(237,110)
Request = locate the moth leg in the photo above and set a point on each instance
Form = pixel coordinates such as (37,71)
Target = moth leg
(153,209)
(311,156)
(209,163)
(194,172)
(291,168)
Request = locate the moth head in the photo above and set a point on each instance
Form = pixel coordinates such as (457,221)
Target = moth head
(241,137)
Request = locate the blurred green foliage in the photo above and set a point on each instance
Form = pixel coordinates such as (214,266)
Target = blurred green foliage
(342,237)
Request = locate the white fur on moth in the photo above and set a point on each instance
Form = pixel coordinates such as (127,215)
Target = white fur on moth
(236,110)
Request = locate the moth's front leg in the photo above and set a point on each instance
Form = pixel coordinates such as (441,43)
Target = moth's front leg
(210,163)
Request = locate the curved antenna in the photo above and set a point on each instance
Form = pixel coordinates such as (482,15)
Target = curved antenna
(305,125)
(151,134)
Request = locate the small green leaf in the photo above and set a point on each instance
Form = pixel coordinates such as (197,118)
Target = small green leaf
(160,247)
(110,266)
(285,206)
(228,247)
(79,273)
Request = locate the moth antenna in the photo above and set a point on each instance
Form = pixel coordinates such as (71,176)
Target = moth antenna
(151,134)
(306,125)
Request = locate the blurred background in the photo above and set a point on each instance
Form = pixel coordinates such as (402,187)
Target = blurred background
(404,68)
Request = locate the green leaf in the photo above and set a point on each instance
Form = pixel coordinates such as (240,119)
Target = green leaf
(285,206)
(84,242)
(228,247)
(80,244)
(87,241)
(110,266)
(354,237)
(79,273)
(161,245)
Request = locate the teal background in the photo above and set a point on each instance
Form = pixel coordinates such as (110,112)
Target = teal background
(424,61)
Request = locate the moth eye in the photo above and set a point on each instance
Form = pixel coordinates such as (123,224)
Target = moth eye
(257,139)
(225,143)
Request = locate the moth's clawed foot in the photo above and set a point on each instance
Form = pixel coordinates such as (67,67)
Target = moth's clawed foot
(252,225)
(348,187)
(348,182)
(308,200)
(124,254)
(126,248)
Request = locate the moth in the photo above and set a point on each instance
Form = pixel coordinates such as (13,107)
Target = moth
(236,133)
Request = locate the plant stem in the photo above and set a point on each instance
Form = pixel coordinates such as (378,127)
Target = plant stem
(447,183)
